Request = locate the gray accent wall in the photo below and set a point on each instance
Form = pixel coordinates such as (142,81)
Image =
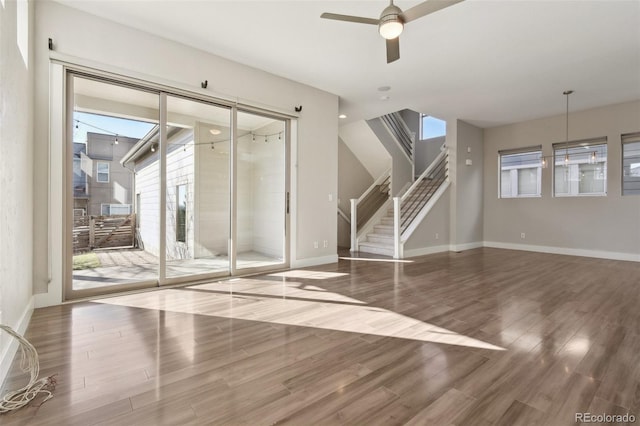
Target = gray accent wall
(468,187)
(604,224)
(353,180)
(426,151)
(434,230)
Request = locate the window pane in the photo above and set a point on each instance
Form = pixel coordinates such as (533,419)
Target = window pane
(631,168)
(591,178)
(561,178)
(528,181)
(103,172)
(432,127)
(580,170)
(505,184)
(520,174)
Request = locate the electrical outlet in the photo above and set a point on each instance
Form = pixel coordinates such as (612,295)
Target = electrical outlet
(522,235)
(437,236)
(325,244)
(315,244)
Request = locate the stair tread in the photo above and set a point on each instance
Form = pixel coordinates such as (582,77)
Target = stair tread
(385,236)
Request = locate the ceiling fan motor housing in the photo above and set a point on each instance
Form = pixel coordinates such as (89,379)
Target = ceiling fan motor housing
(391,24)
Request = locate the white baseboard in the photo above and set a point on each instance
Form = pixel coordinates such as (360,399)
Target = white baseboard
(313,261)
(466,246)
(6,358)
(425,250)
(566,251)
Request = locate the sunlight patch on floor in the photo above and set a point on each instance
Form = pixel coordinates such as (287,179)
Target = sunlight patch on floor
(308,308)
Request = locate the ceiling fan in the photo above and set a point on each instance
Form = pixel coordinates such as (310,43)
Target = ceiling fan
(392,20)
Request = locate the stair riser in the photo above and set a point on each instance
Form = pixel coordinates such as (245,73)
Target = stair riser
(376,250)
(380,239)
(384,230)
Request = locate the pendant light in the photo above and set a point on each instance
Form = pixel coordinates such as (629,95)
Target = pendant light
(566,154)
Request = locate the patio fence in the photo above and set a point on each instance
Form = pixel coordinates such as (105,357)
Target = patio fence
(96,232)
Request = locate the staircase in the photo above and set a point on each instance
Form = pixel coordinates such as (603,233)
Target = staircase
(381,240)
(413,207)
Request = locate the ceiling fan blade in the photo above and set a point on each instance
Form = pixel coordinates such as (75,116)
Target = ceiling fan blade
(426,8)
(349,18)
(393,49)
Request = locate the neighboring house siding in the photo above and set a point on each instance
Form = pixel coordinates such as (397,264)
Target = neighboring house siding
(180,171)
(148,186)
(212,200)
(118,190)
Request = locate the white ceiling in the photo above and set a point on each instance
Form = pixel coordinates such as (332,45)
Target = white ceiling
(487,62)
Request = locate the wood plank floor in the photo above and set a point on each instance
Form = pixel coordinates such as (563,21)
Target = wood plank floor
(482,337)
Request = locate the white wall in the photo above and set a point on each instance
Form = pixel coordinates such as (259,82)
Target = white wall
(147,184)
(16,171)
(267,190)
(212,195)
(138,54)
(601,225)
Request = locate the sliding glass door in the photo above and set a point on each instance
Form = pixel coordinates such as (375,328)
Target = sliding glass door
(197,180)
(112,131)
(260,191)
(168,189)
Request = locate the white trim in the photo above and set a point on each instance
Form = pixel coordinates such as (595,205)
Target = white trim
(6,358)
(425,251)
(313,261)
(466,246)
(600,254)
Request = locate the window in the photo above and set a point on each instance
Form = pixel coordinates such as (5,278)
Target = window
(521,172)
(580,168)
(102,172)
(631,164)
(113,209)
(181,213)
(431,127)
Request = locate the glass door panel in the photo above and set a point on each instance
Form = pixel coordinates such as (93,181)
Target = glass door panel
(197,188)
(115,228)
(260,191)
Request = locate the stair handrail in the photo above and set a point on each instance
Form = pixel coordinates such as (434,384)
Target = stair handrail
(343,215)
(424,174)
(401,133)
(375,183)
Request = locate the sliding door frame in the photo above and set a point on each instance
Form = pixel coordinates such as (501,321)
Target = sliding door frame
(71,71)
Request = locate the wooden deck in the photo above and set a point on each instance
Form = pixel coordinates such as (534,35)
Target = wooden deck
(482,337)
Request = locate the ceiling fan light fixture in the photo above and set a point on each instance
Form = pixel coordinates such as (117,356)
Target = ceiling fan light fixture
(391,24)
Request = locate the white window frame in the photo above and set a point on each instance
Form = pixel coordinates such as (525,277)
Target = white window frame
(560,150)
(422,135)
(98,172)
(110,206)
(513,172)
(628,139)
